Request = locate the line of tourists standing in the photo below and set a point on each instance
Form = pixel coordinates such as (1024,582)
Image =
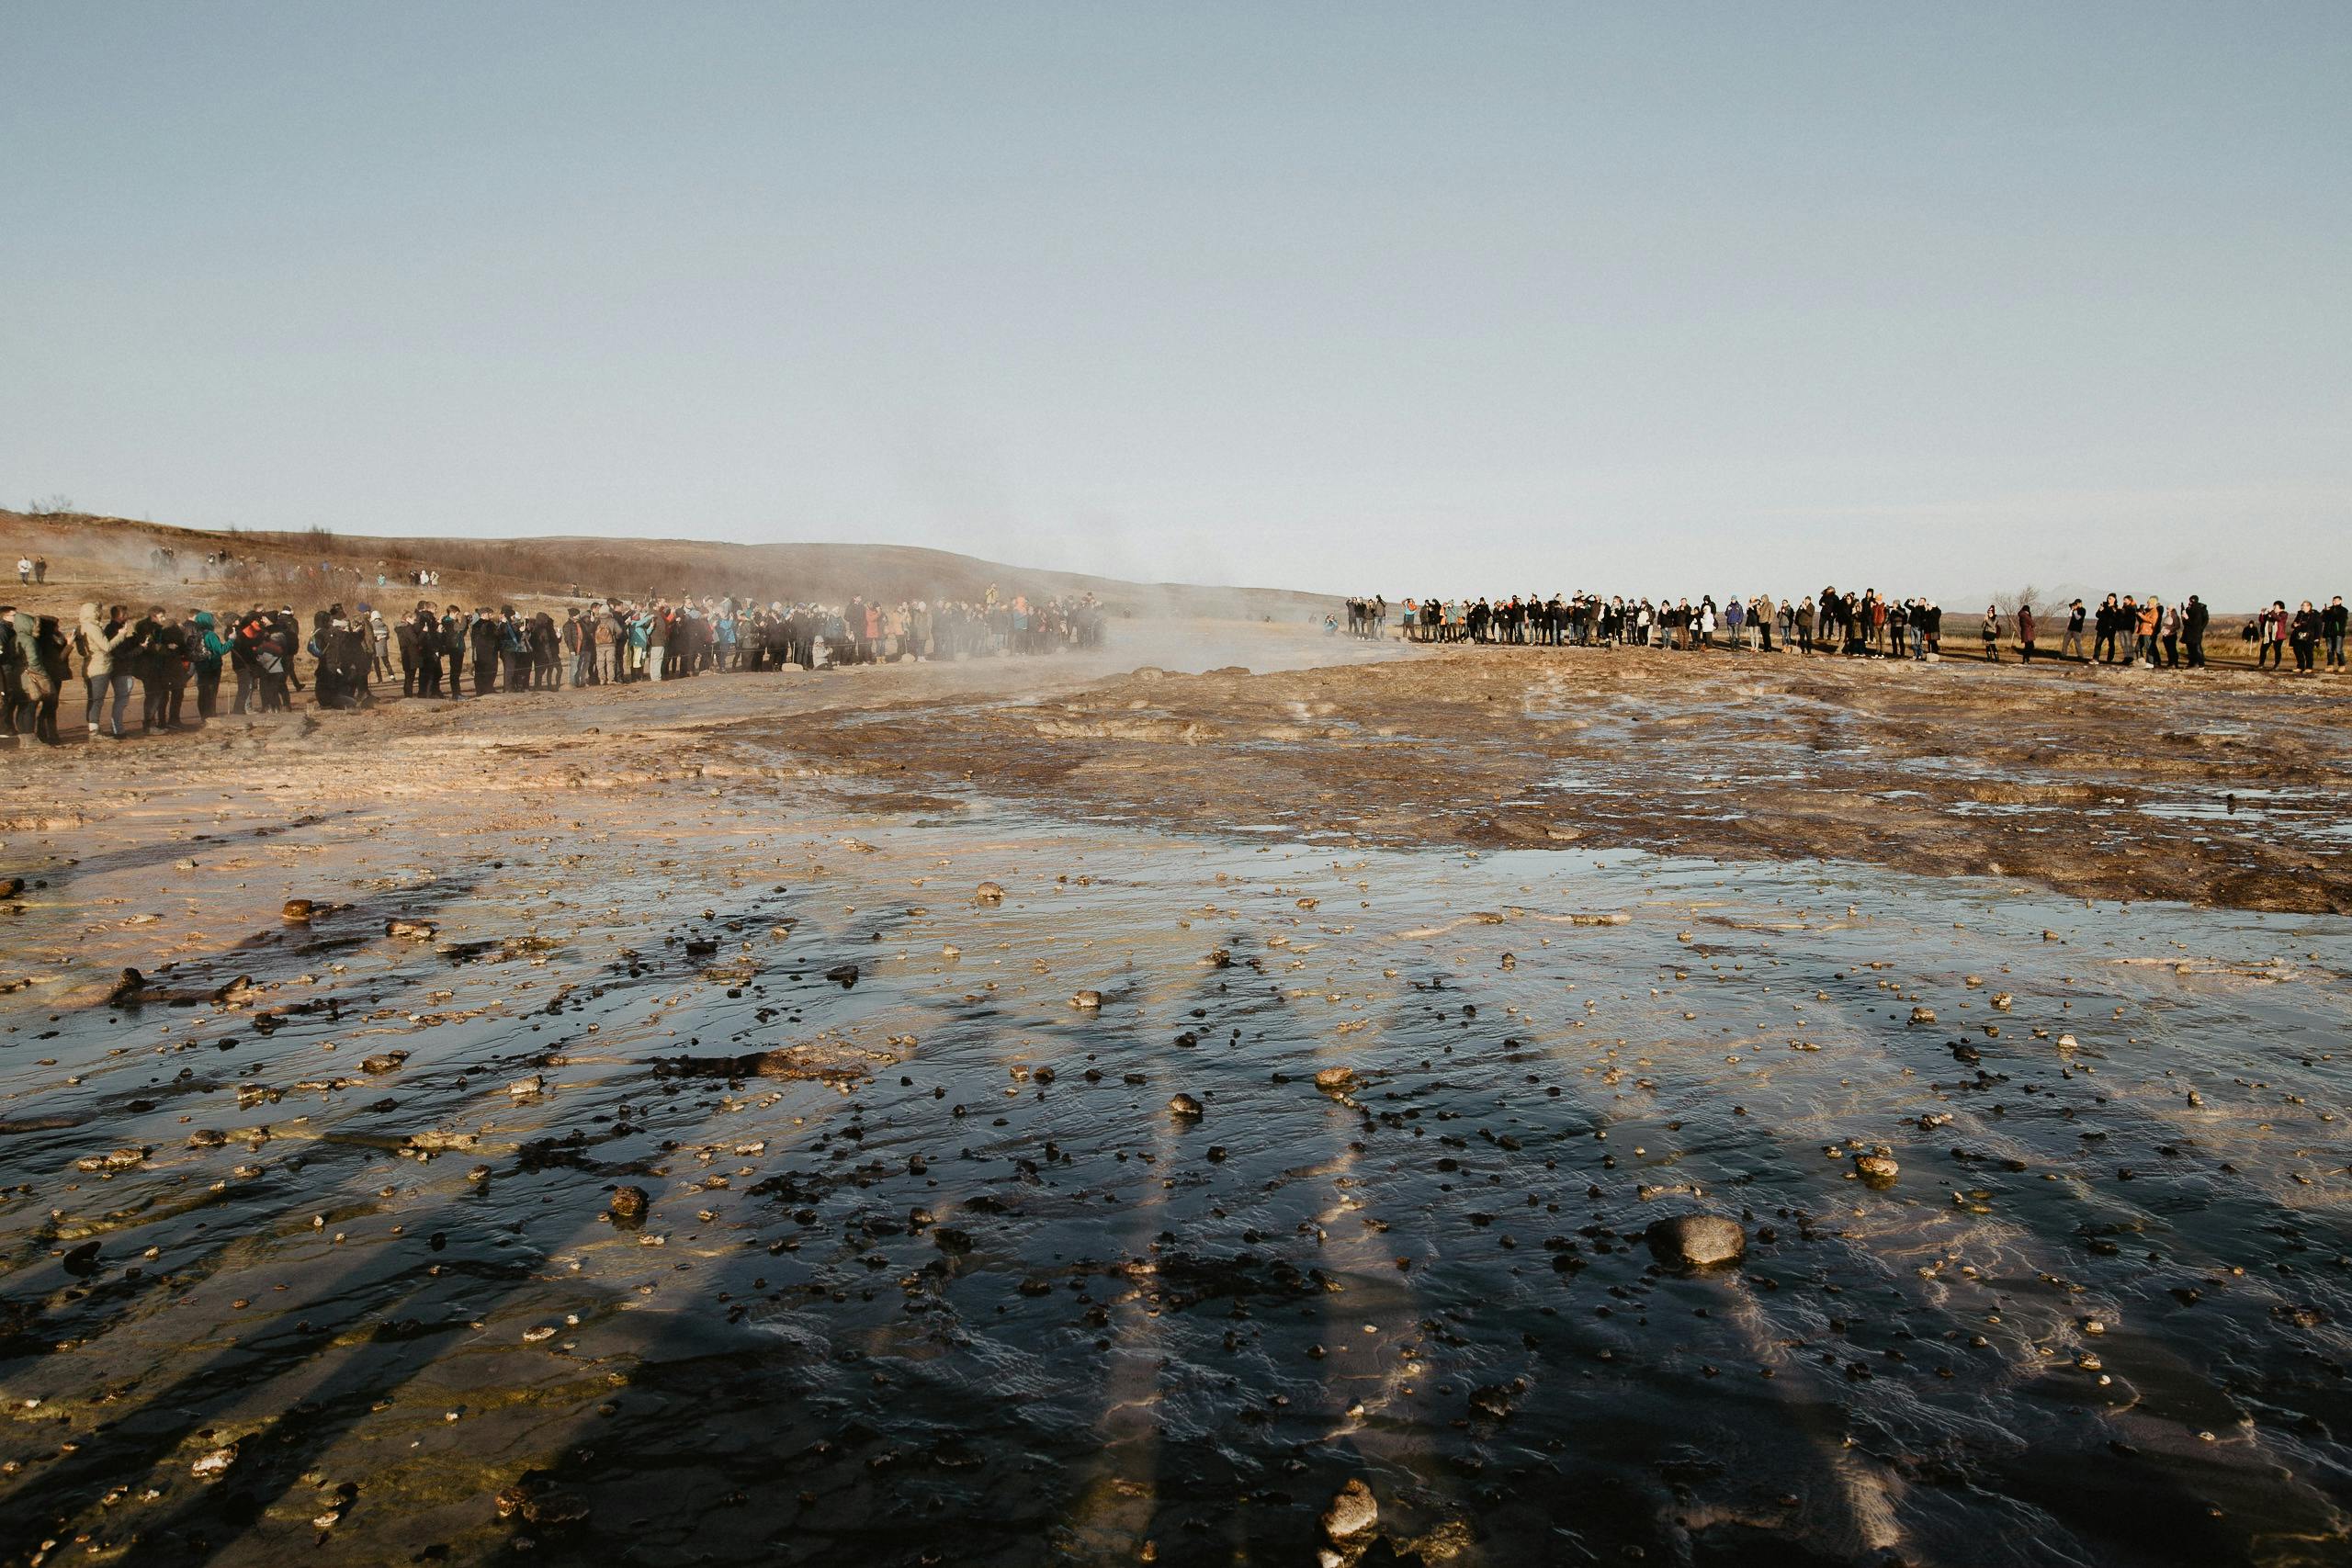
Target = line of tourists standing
(2121,629)
(161,659)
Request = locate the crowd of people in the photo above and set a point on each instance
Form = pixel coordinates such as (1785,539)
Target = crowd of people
(354,656)
(2121,629)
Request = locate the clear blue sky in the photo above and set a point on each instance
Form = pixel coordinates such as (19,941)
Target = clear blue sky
(1462,298)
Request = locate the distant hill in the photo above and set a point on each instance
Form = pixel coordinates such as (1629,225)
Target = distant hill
(92,556)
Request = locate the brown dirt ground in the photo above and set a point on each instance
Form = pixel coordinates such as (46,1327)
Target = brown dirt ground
(2108,783)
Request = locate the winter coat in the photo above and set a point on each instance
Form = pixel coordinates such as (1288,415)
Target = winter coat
(97,648)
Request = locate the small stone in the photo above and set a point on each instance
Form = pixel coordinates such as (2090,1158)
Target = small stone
(627,1204)
(410,930)
(1088,1001)
(1876,1169)
(1353,1513)
(1185,1105)
(1697,1241)
(990,892)
(1335,1081)
(1923,1015)
(297,909)
(436,1142)
(213,1465)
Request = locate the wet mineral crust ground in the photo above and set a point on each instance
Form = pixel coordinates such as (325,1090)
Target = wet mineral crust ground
(1477,1110)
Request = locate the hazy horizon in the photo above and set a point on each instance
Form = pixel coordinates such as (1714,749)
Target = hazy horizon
(1341,301)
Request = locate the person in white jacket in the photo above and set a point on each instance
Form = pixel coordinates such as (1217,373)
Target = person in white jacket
(96,641)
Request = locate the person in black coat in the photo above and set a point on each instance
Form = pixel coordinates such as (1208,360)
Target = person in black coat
(408,639)
(481,639)
(453,651)
(547,653)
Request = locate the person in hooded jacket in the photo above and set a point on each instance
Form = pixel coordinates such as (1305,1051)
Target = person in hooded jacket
(33,671)
(98,641)
(207,651)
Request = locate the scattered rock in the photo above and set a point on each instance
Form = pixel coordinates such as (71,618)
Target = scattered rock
(1185,1105)
(114,1159)
(215,1465)
(1494,1402)
(1088,1001)
(1336,1080)
(298,909)
(1697,1241)
(989,893)
(1354,1513)
(1923,1015)
(410,930)
(540,1502)
(436,1143)
(628,1205)
(1878,1170)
